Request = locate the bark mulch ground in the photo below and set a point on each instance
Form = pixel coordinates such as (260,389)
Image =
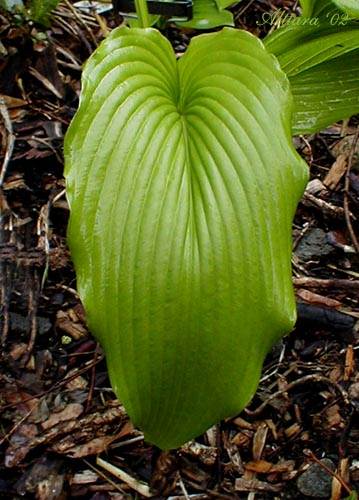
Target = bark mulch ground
(63,433)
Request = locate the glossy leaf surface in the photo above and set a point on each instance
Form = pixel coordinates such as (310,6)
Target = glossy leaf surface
(323,9)
(351,7)
(330,10)
(183,181)
(322,65)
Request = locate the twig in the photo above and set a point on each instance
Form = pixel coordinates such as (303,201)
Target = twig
(92,381)
(331,473)
(133,483)
(32,306)
(334,210)
(346,192)
(81,21)
(307,143)
(303,380)
(16,426)
(10,139)
(325,283)
(5,291)
(104,476)
(57,385)
(183,488)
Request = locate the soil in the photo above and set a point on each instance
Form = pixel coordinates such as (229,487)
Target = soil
(62,429)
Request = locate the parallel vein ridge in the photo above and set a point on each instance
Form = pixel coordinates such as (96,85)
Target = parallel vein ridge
(183,182)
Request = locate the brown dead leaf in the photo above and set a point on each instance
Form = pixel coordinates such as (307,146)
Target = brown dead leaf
(243,424)
(24,401)
(242,439)
(84,477)
(344,146)
(69,322)
(259,440)
(42,480)
(18,350)
(349,363)
(20,444)
(256,485)
(292,430)
(332,416)
(77,383)
(13,102)
(15,181)
(93,447)
(262,466)
(336,172)
(315,298)
(70,412)
(75,448)
(69,433)
(206,454)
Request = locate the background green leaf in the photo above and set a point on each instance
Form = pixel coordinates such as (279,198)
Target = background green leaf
(134,22)
(206,15)
(351,7)
(40,10)
(11,4)
(353,496)
(223,4)
(182,181)
(323,9)
(322,64)
(329,10)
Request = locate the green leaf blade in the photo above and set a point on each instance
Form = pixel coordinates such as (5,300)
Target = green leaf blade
(323,69)
(40,10)
(335,12)
(182,257)
(207,15)
(351,7)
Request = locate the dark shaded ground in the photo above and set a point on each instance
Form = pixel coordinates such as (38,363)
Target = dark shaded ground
(57,409)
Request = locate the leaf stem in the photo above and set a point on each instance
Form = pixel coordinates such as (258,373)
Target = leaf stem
(142,13)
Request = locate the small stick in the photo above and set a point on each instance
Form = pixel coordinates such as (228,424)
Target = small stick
(311,455)
(133,483)
(323,205)
(325,283)
(346,193)
(10,139)
(81,21)
(307,378)
(57,385)
(92,381)
(16,426)
(183,488)
(104,476)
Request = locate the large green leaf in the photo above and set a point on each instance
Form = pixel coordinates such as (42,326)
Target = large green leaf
(206,15)
(322,64)
(182,182)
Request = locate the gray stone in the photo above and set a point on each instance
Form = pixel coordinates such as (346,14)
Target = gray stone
(314,244)
(315,481)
